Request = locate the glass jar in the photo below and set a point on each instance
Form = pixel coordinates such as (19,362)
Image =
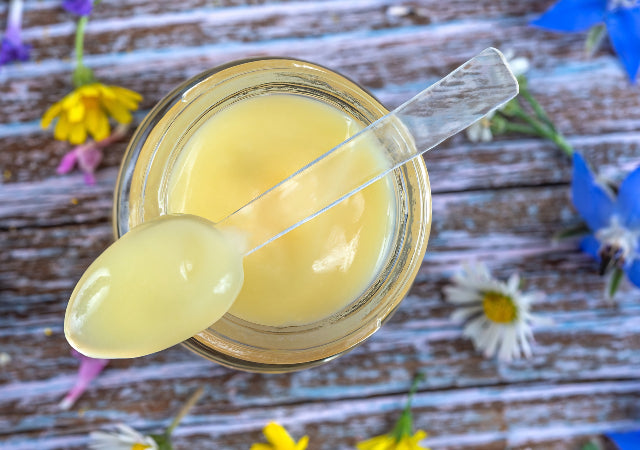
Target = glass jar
(142,194)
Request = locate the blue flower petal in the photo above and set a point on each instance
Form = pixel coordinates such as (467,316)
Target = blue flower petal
(13,51)
(626,441)
(629,200)
(633,273)
(590,245)
(623,26)
(572,15)
(592,202)
(78,7)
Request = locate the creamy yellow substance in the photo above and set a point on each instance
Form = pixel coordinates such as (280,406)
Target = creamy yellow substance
(319,268)
(159,284)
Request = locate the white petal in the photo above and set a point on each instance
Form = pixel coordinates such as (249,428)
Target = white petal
(509,346)
(524,343)
(493,338)
(486,135)
(474,132)
(463,314)
(514,283)
(519,66)
(473,329)
(456,294)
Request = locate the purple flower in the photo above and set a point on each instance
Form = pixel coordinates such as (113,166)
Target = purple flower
(12,48)
(78,7)
(621,18)
(613,221)
(89,369)
(87,157)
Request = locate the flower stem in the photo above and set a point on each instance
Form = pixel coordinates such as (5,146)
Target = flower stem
(82,24)
(404,425)
(544,131)
(184,410)
(614,282)
(537,108)
(519,128)
(82,74)
(14,21)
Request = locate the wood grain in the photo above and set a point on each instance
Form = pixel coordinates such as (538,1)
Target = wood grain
(500,202)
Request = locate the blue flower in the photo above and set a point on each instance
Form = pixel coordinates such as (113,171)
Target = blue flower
(78,7)
(12,48)
(614,222)
(621,18)
(626,441)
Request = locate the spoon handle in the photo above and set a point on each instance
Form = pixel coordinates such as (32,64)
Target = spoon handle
(447,107)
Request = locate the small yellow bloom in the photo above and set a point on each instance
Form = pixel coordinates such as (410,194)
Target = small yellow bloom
(279,439)
(86,110)
(389,442)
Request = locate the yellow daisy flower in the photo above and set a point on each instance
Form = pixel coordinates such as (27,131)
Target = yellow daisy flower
(86,110)
(401,437)
(279,439)
(389,442)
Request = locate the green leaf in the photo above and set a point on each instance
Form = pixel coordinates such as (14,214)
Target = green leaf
(579,230)
(591,446)
(614,281)
(163,441)
(594,39)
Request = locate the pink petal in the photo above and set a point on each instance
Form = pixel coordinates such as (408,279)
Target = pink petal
(68,162)
(89,369)
(89,179)
(89,158)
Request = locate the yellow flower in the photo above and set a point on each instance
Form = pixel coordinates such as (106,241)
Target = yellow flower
(389,442)
(279,439)
(86,110)
(400,438)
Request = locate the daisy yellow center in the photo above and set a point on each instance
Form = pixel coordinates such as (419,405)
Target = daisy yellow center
(139,447)
(499,308)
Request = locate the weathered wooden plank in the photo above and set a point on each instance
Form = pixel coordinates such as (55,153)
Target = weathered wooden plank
(516,162)
(185,27)
(515,222)
(586,342)
(376,59)
(465,224)
(479,418)
(57,201)
(46,12)
(611,138)
(36,155)
(575,348)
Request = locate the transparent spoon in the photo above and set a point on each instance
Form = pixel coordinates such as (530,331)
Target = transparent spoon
(474,89)
(173,276)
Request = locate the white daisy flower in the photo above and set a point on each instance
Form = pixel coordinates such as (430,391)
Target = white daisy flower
(124,438)
(481,130)
(497,314)
(518,65)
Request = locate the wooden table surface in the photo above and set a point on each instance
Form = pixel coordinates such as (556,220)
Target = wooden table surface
(500,202)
